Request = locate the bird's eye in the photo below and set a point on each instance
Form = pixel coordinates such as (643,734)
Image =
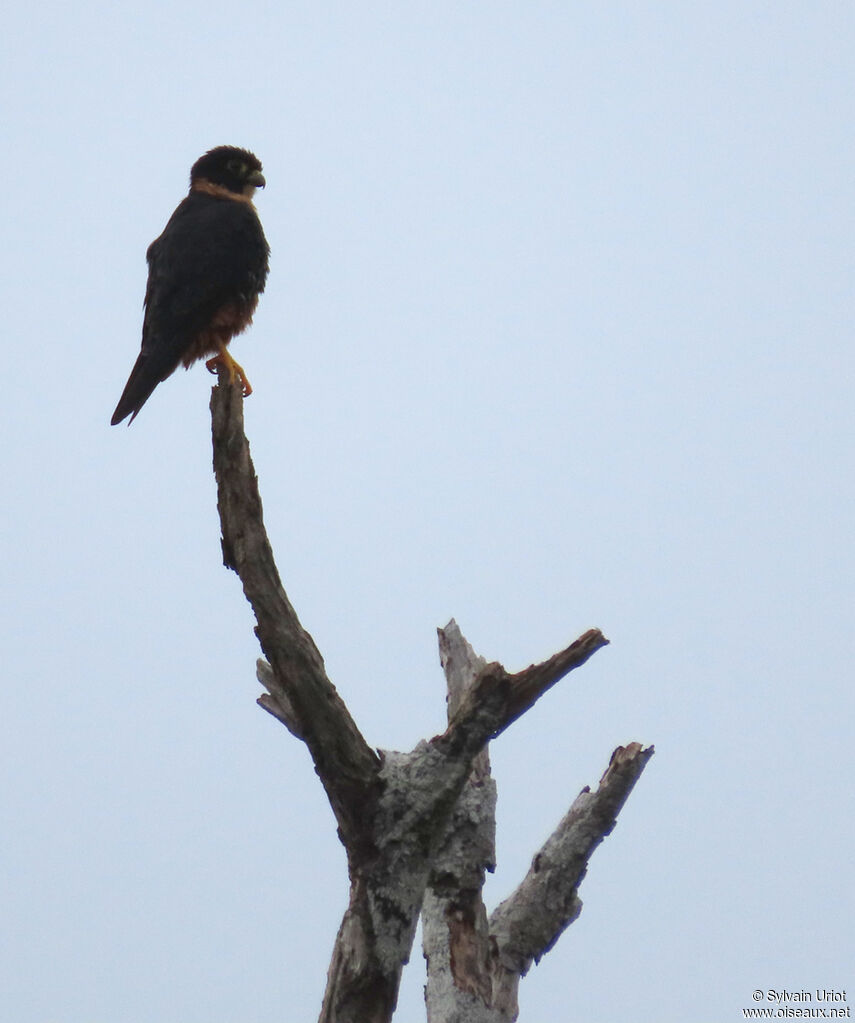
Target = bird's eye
(237,167)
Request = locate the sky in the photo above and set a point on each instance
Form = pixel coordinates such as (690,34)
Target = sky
(557,335)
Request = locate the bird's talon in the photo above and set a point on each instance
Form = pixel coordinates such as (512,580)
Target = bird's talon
(235,370)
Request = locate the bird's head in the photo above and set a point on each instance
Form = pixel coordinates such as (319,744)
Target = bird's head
(236,170)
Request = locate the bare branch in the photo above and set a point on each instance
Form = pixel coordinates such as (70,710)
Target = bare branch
(475,965)
(496,698)
(528,923)
(345,763)
(275,701)
(459,662)
(529,685)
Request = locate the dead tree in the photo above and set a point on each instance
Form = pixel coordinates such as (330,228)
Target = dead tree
(418,827)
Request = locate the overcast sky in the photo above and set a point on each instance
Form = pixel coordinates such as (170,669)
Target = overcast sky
(557,334)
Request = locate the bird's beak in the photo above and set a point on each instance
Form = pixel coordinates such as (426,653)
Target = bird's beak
(256,179)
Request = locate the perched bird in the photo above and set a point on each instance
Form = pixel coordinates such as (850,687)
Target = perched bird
(205,273)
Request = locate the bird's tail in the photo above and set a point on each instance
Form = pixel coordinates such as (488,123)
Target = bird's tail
(145,376)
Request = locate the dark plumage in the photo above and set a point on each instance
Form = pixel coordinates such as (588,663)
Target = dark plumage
(205,273)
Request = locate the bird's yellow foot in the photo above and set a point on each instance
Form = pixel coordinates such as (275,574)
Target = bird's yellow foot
(235,370)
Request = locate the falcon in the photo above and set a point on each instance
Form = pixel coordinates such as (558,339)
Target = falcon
(205,273)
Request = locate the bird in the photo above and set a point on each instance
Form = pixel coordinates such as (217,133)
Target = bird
(205,274)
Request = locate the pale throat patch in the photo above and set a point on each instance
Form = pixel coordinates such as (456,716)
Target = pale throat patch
(221,192)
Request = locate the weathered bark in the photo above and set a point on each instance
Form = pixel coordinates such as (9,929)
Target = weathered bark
(528,923)
(455,937)
(394,810)
(346,765)
(475,963)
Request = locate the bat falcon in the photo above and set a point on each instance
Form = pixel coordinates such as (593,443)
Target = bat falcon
(205,273)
